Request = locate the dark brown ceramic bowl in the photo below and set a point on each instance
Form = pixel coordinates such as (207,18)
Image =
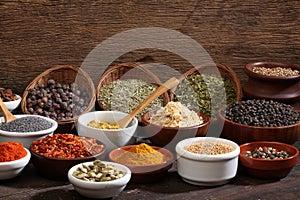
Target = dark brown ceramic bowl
(57,168)
(268,169)
(241,133)
(163,136)
(146,173)
(283,89)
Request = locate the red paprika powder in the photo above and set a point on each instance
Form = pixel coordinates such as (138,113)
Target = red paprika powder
(10,151)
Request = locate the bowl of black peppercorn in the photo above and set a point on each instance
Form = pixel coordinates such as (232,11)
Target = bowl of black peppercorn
(267,160)
(259,120)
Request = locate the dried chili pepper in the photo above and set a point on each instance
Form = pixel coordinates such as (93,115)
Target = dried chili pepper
(66,146)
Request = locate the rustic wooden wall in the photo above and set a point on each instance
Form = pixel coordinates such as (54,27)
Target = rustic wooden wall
(36,35)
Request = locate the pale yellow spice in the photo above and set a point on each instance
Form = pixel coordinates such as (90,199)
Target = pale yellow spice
(102,125)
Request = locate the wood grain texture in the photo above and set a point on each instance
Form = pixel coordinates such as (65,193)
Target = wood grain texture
(36,35)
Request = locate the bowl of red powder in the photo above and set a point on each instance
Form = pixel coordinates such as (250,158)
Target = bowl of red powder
(13,159)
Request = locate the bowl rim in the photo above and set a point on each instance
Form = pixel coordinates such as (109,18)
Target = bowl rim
(30,134)
(242,146)
(103,151)
(79,183)
(256,127)
(181,152)
(19,161)
(132,124)
(162,150)
(206,121)
(249,66)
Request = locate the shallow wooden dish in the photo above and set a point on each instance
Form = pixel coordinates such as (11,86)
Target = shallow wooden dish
(283,89)
(146,173)
(268,169)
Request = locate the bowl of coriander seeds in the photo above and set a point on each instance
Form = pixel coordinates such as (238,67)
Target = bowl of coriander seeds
(273,81)
(207,161)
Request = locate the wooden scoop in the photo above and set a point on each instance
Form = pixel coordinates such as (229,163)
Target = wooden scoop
(172,82)
(8,116)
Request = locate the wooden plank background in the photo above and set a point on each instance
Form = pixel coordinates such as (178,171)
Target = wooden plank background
(36,35)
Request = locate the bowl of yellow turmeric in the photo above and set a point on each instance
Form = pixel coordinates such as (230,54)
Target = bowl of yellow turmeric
(147,163)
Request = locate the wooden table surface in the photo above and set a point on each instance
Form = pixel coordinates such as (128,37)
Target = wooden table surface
(30,185)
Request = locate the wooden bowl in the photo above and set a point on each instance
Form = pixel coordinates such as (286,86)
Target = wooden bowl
(268,169)
(284,89)
(57,168)
(146,173)
(241,133)
(163,136)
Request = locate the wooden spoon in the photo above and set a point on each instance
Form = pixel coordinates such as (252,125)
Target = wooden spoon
(172,82)
(8,116)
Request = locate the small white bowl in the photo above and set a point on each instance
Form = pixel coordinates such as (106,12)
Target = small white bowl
(105,189)
(26,138)
(112,138)
(11,169)
(204,169)
(11,105)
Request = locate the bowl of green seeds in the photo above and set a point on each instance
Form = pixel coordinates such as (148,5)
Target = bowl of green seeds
(207,88)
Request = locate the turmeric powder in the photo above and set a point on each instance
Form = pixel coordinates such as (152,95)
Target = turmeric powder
(141,154)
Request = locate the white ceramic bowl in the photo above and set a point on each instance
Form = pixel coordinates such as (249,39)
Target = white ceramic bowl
(113,138)
(13,168)
(105,189)
(11,105)
(204,169)
(26,138)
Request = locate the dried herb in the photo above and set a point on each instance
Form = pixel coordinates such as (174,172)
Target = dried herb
(126,95)
(206,93)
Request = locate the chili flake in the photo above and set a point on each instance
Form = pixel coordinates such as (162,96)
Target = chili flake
(66,146)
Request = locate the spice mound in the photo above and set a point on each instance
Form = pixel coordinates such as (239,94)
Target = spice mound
(209,148)
(11,151)
(174,114)
(66,146)
(97,172)
(268,153)
(26,124)
(102,125)
(141,154)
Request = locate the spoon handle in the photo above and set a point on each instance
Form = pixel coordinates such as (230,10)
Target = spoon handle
(8,116)
(172,82)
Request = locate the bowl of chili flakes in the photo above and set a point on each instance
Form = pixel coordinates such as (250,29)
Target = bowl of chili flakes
(55,154)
